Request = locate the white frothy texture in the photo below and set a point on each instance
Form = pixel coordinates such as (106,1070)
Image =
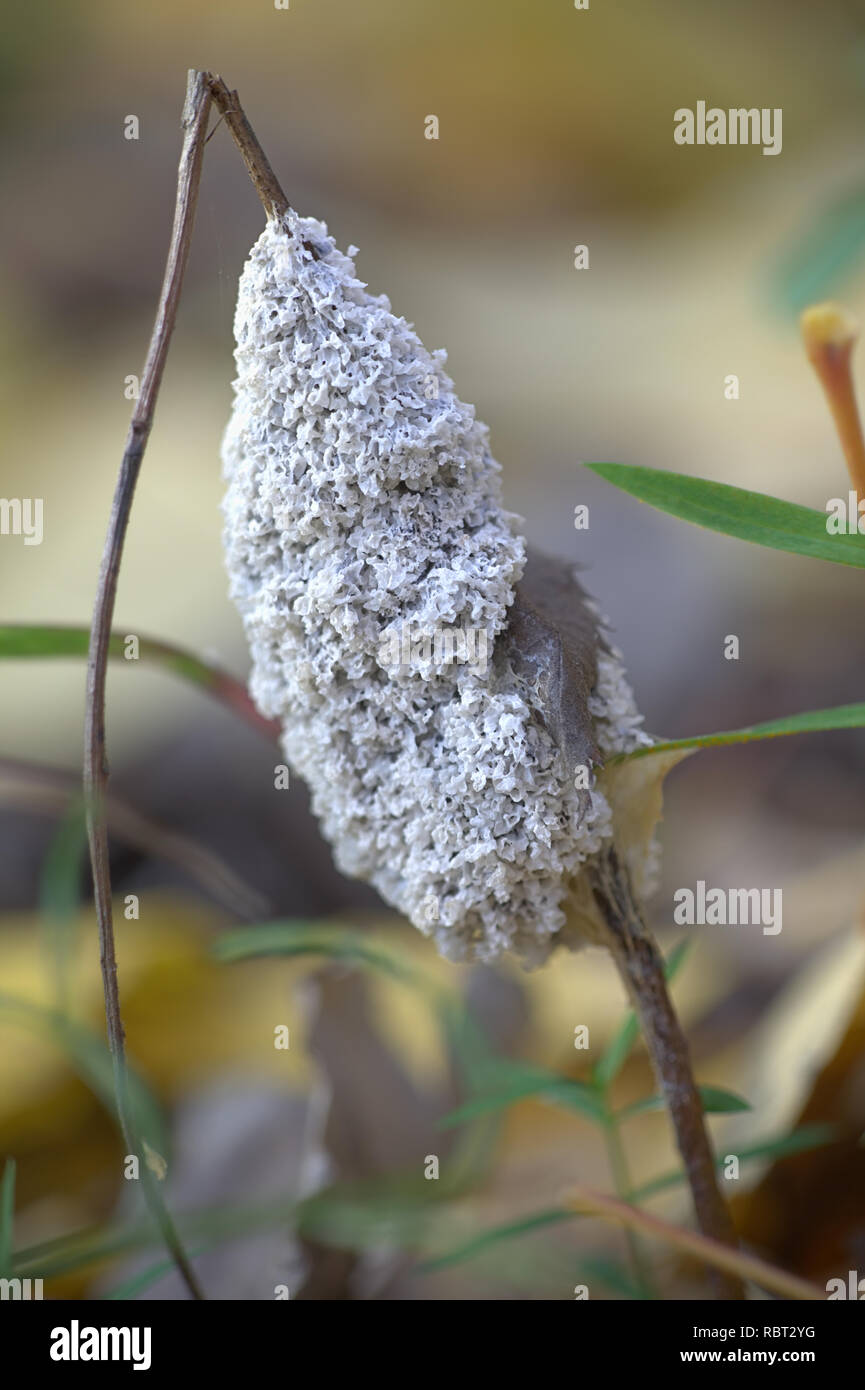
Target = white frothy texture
(362,497)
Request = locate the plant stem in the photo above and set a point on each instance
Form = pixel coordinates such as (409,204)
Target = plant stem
(737,1263)
(194,122)
(257,163)
(623,1186)
(202,88)
(642,969)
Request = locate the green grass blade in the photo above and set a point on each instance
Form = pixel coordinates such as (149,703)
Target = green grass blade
(22,641)
(299,938)
(90,1058)
(618,1049)
(7,1218)
(549,1217)
(800,1141)
(135,1285)
(504,1083)
(749,516)
(95,1245)
(611,1273)
(813,722)
(716,1101)
(60,881)
(784,1146)
(60,896)
(822,255)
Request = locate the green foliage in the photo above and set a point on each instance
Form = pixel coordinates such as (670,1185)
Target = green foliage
(783,1146)
(749,516)
(90,1058)
(780,1146)
(7,1218)
(298,938)
(507,1082)
(478,1244)
(716,1101)
(814,722)
(822,255)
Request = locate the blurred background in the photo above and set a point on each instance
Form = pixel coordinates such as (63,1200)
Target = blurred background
(555,130)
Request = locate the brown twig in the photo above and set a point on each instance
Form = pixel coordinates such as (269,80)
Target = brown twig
(735,1263)
(51,791)
(202,88)
(640,964)
(257,163)
(195,116)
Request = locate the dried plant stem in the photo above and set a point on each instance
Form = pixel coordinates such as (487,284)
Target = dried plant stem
(257,164)
(195,116)
(642,969)
(202,88)
(735,1263)
(49,791)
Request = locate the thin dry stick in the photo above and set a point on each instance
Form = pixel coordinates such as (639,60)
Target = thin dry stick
(49,791)
(267,187)
(195,115)
(202,87)
(721,1257)
(640,964)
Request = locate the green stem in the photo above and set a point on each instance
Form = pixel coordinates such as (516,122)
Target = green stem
(624,1189)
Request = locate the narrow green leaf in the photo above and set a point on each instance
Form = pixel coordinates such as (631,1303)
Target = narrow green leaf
(813,722)
(209,1225)
(549,1217)
(90,1058)
(357,948)
(749,516)
(716,1101)
(29,640)
(60,881)
(7,1218)
(299,938)
(784,1146)
(137,1283)
(800,1141)
(611,1273)
(367,1219)
(505,1083)
(822,255)
(37,641)
(60,896)
(617,1050)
